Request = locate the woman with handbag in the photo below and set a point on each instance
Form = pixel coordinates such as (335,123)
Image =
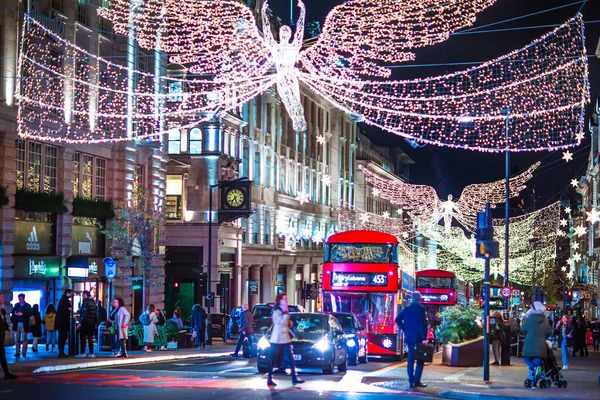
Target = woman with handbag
(565,334)
(150,330)
(280,340)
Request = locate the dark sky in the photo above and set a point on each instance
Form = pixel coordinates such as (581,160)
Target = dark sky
(449,170)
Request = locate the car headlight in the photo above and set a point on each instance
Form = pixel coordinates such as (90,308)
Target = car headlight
(322,345)
(351,342)
(263,344)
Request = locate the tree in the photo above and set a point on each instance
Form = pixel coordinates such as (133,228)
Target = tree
(136,231)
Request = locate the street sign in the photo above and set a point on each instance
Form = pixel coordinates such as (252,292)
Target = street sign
(506,292)
(516,292)
(210,296)
(110,268)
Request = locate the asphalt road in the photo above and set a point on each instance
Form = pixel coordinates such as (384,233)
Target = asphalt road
(222,378)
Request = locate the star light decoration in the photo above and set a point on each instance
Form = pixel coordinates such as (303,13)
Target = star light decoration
(423,202)
(326,180)
(574,183)
(303,197)
(544,84)
(567,156)
(580,231)
(593,216)
(321,140)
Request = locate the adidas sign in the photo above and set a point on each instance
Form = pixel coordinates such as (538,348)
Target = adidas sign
(32,242)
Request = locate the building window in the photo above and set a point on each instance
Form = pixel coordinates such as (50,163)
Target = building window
(175,91)
(142,60)
(89,176)
(82,13)
(138,177)
(174,146)
(37,166)
(56,5)
(174,195)
(196,141)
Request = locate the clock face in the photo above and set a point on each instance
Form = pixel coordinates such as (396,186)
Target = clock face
(235,198)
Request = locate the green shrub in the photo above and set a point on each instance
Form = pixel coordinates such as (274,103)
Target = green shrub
(172,331)
(40,201)
(93,208)
(460,324)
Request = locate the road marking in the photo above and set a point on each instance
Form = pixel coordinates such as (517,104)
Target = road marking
(213,363)
(458,375)
(235,369)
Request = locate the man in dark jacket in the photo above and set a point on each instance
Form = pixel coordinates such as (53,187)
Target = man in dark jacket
(582,336)
(535,348)
(413,322)
(88,316)
(101,313)
(3,329)
(63,321)
(246,329)
(20,320)
(199,324)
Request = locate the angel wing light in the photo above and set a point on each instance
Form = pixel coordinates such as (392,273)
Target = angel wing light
(544,84)
(424,203)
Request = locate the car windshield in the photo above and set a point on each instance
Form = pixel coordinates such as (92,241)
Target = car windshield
(346,321)
(309,325)
(262,312)
(294,309)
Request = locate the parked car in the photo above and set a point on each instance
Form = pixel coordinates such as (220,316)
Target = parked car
(218,325)
(233,326)
(319,343)
(356,338)
(261,317)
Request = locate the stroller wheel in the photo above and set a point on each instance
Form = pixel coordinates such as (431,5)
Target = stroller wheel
(528,383)
(564,384)
(558,384)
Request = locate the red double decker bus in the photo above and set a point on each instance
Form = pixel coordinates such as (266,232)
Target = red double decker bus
(361,276)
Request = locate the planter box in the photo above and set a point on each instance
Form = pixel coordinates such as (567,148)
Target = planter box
(171,345)
(467,354)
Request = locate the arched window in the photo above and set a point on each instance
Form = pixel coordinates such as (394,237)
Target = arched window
(195,141)
(174,141)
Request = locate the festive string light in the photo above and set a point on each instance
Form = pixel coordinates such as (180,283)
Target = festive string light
(425,204)
(567,156)
(544,86)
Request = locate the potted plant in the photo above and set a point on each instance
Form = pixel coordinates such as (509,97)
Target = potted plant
(172,334)
(461,332)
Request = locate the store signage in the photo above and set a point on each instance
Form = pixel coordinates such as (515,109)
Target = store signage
(435,298)
(86,240)
(76,272)
(253,288)
(33,237)
(93,268)
(343,279)
(110,268)
(37,267)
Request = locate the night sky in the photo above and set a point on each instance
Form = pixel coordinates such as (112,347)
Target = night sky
(449,170)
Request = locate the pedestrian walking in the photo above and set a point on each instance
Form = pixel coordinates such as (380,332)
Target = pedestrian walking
(596,334)
(413,322)
(49,321)
(150,329)
(582,337)
(565,332)
(246,330)
(88,317)
(101,313)
(535,349)
(35,326)
(280,340)
(575,325)
(122,325)
(63,321)
(20,319)
(3,329)
(498,337)
(199,326)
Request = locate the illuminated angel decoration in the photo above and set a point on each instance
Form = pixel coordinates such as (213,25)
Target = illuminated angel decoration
(425,207)
(543,85)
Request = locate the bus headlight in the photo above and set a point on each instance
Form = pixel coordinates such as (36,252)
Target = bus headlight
(263,344)
(351,342)
(322,345)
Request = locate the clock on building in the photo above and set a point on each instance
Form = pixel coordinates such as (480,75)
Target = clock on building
(235,199)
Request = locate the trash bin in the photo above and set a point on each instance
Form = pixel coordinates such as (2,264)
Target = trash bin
(104,338)
(506,348)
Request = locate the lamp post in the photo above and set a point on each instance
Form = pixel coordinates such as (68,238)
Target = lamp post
(506,205)
(209,294)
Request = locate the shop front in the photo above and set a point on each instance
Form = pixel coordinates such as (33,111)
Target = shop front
(36,267)
(87,255)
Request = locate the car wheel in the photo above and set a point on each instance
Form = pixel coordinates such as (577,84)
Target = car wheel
(343,367)
(329,369)
(263,370)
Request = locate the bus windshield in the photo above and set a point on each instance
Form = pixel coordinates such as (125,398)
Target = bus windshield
(360,253)
(436,282)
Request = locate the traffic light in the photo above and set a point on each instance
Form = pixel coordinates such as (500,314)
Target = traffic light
(569,296)
(308,291)
(487,247)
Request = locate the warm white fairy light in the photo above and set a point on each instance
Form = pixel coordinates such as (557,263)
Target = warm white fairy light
(425,204)
(593,216)
(543,85)
(567,156)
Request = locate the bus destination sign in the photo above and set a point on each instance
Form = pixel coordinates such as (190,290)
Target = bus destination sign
(435,298)
(343,279)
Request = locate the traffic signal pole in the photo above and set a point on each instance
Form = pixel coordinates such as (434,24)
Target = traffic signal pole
(486,328)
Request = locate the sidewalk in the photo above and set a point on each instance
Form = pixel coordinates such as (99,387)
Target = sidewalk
(506,382)
(43,361)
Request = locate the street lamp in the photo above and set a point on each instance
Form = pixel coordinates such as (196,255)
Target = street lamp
(534,242)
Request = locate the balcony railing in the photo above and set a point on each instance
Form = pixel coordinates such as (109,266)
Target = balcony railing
(55,25)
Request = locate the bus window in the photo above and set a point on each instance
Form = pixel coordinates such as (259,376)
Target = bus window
(361,253)
(435,282)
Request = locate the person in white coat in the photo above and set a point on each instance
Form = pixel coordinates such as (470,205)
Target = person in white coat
(122,324)
(150,329)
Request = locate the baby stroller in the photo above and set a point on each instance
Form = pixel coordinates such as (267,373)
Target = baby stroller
(550,373)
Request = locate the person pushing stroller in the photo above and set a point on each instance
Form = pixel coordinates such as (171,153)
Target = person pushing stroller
(535,349)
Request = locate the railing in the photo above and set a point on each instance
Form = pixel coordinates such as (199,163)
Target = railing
(55,25)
